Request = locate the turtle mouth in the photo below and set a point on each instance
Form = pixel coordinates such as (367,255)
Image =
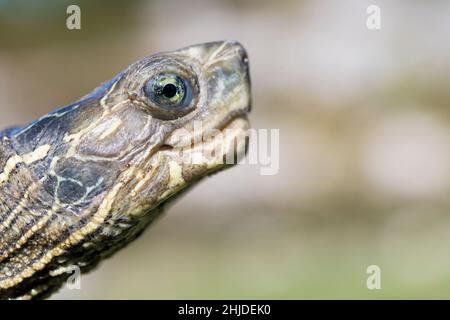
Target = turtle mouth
(237,119)
(237,139)
(235,135)
(224,144)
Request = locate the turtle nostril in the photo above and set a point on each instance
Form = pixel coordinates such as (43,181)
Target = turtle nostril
(242,54)
(245,61)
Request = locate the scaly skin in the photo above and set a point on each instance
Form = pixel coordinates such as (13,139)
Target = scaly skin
(84,181)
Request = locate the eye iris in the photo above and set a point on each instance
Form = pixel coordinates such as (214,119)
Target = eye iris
(169,92)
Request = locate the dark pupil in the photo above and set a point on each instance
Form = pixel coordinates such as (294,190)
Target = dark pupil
(169,90)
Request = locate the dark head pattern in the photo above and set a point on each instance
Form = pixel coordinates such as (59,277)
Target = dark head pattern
(85,180)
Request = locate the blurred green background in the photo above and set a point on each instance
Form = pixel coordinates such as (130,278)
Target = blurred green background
(364,119)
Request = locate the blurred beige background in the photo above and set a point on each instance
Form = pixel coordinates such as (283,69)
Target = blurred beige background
(364,119)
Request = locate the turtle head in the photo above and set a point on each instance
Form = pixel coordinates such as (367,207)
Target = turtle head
(173,118)
(166,121)
(83,181)
(198,98)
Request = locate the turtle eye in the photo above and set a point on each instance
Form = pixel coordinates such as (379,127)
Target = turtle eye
(169,91)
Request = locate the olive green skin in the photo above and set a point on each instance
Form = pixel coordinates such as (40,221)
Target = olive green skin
(84,181)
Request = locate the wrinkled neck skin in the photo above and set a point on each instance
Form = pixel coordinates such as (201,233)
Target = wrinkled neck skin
(85,180)
(96,185)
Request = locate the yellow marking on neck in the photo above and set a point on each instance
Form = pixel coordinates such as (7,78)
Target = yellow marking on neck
(27,235)
(99,217)
(176,179)
(22,204)
(176,174)
(9,167)
(38,154)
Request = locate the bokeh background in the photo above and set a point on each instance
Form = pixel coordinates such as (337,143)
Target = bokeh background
(364,119)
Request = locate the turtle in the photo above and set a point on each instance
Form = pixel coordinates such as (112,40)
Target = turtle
(84,181)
